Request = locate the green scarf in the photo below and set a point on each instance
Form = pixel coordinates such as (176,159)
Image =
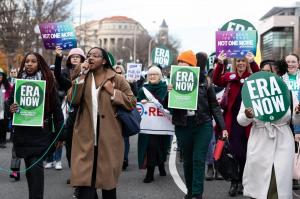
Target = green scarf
(159,90)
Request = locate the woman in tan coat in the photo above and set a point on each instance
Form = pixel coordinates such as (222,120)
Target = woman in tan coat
(98,147)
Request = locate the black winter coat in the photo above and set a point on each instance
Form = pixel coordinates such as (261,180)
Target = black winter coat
(207,107)
(34,141)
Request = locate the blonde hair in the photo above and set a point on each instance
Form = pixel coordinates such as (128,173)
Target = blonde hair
(154,69)
(248,68)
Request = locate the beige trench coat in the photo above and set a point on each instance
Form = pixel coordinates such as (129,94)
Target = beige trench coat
(110,140)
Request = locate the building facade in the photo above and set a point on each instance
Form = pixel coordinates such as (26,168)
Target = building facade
(109,33)
(279,32)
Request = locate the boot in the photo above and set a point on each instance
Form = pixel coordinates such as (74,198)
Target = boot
(109,194)
(198,196)
(210,172)
(233,189)
(162,171)
(240,188)
(125,165)
(188,196)
(15,175)
(296,185)
(149,176)
(218,176)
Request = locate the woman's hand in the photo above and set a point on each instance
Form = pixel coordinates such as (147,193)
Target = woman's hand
(58,51)
(222,56)
(13,108)
(109,87)
(249,113)
(170,87)
(84,67)
(250,57)
(297,137)
(297,109)
(144,101)
(225,134)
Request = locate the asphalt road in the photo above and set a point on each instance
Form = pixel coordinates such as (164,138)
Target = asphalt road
(130,183)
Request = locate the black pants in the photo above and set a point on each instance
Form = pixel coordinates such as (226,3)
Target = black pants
(35,178)
(68,145)
(3,131)
(15,161)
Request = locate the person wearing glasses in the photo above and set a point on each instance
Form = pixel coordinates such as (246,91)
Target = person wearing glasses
(98,145)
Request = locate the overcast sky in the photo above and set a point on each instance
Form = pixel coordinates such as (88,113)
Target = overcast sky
(193,22)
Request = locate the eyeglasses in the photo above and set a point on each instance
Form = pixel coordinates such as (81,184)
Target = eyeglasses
(94,56)
(153,74)
(75,57)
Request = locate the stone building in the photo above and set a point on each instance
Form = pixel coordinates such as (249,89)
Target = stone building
(110,33)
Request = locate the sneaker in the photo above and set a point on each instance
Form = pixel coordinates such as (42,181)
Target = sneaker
(209,172)
(76,192)
(49,165)
(58,165)
(15,175)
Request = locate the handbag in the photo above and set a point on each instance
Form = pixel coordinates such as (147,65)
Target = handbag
(227,165)
(130,121)
(296,171)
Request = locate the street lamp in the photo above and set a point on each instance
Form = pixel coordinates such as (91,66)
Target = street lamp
(149,52)
(134,42)
(130,53)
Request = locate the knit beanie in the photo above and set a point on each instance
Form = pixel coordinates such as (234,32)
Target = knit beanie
(76,51)
(188,57)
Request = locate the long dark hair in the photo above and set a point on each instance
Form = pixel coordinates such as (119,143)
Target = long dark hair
(105,56)
(281,66)
(4,81)
(46,75)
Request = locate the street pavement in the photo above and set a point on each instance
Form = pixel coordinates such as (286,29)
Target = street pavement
(130,183)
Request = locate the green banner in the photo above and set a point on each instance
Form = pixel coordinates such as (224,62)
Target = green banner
(30,96)
(267,95)
(185,82)
(162,56)
(210,61)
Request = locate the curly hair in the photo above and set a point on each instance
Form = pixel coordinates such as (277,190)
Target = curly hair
(47,76)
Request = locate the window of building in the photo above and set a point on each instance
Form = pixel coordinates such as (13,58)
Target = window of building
(277,43)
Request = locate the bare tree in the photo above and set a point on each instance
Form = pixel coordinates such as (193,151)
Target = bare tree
(19,18)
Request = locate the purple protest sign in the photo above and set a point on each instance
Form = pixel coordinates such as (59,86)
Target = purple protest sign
(236,43)
(58,34)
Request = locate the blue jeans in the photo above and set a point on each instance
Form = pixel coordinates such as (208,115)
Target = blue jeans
(211,149)
(56,156)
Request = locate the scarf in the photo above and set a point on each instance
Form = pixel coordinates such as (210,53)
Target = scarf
(159,89)
(36,76)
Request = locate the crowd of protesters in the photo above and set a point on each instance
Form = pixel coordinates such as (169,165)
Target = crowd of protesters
(85,94)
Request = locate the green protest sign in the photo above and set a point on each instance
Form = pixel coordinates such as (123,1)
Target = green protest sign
(30,96)
(267,95)
(185,82)
(162,56)
(210,61)
(238,25)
